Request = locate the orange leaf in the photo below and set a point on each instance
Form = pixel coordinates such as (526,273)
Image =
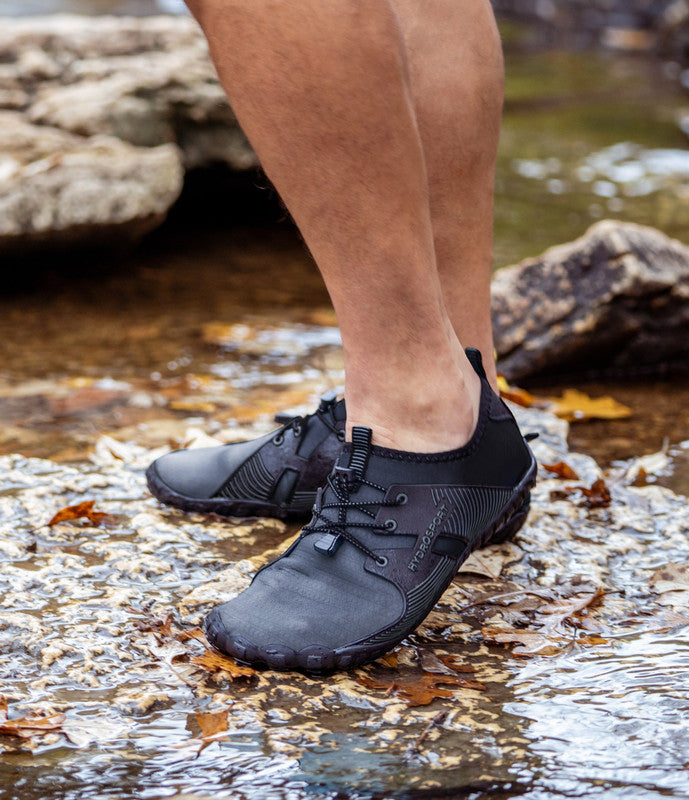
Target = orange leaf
(575,406)
(213,727)
(419,689)
(193,633)
(83,510)
(33,724)
(562,470)
(516,395)
(221,666)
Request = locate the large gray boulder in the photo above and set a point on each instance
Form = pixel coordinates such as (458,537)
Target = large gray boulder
(615,300)
(57,188)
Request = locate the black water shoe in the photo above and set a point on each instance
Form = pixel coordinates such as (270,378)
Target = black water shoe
(388,533)
(276,475)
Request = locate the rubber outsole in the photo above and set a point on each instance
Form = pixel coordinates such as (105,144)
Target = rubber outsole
(219,505)
(319,659)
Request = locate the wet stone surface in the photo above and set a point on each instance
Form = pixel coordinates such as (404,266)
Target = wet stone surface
(97,627)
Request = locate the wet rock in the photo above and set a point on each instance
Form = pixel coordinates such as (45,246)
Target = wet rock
(118,651)
(99,119)
(614,300)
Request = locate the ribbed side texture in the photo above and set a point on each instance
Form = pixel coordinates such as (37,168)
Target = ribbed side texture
(252,481)
(303,499)
(472,508)
(419,600)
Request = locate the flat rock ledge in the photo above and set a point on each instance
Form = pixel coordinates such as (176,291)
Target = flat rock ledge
(613,301)
(99,119)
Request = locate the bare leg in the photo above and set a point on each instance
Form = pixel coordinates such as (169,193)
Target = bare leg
(457,82)
(322,91)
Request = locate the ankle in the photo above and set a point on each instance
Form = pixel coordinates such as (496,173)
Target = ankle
(422,419)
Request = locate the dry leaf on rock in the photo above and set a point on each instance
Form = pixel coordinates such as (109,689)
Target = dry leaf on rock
(83,510)
(575,406)
(562,470)
(419,689)
(35,723)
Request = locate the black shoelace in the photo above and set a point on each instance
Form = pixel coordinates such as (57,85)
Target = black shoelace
(299,424)
(340,529)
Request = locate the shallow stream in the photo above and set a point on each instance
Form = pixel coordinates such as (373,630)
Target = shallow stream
(207,330)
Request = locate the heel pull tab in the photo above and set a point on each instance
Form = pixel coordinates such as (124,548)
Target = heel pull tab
(361,448)
(476,361)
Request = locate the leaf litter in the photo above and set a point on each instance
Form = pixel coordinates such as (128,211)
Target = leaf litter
(527,587)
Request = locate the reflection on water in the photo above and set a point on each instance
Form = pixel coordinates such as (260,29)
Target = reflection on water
(614,717)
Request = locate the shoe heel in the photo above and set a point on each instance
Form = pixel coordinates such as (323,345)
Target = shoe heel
(511,527)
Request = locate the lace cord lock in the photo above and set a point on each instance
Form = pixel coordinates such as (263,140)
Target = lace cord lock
(328,544)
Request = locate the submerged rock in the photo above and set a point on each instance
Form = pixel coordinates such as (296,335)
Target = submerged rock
(615,299)
(99,119)
(98,628)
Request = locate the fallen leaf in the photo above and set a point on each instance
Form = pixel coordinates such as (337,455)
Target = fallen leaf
(597,496)
(160,627)
(575,406)
(562,470)
(419,689)
(213,727)
(193,633)
(83,510)
(516,395)
(553,622)
(200,406)
(530,643)
(566,612)
(35,723)
(219,666)
(491,561)
(671,578)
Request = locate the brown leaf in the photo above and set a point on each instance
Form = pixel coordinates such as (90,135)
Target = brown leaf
(597,496)
(221,667)
(35,723)
(671,578)
(83,510)
(575,406)
(552,621)
(531,643)
(566,612)
(562,470)
(193,633)
(160,627)
(419,689)
(213,726)
(452,662)
(516,395)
